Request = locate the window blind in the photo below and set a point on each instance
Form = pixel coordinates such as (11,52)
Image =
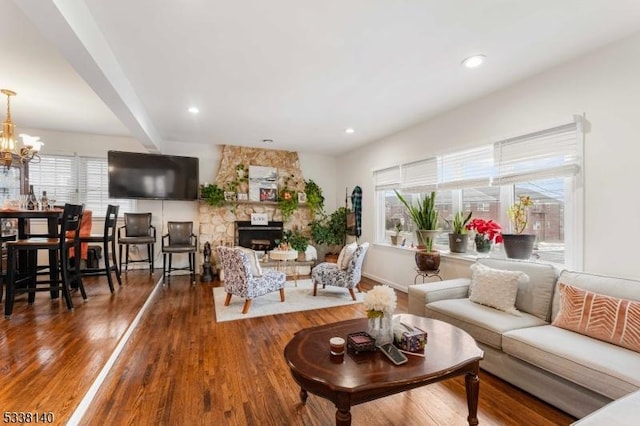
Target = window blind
(57,176)
(387,179)
(548,153)
(420,176)
(471,168)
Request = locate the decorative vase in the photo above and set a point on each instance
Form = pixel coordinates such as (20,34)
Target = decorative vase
(483,245)
(458,243)
(426,234)
(518,246)
(380,328)
(427,260)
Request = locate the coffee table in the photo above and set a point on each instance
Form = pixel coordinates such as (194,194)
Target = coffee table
(352,379)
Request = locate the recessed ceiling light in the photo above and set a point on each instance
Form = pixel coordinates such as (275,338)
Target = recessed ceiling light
(473,61)
(193,110)
(349,130)
(267,140)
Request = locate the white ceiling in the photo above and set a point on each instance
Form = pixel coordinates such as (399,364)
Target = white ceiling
(296,71)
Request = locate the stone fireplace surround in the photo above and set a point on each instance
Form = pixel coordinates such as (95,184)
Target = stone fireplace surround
(218,224)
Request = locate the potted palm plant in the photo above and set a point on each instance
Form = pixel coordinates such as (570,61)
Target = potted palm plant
(519,245)
(459,237)
(425,217)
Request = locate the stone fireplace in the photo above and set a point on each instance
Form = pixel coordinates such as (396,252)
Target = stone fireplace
(258,237)
(218,224)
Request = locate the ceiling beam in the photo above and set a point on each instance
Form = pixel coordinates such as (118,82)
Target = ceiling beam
(69,26)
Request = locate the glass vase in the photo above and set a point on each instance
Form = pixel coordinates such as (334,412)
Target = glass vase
(381,329)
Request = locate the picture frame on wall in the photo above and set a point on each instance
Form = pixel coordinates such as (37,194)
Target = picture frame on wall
(268,194)
(302,197)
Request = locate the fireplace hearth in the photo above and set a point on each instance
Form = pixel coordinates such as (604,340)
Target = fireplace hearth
(258,237)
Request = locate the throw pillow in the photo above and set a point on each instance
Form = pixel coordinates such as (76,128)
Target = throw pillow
(346,254)
(599,316)
(496,288)
(256,270)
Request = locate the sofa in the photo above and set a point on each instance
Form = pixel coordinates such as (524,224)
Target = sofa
(567,368)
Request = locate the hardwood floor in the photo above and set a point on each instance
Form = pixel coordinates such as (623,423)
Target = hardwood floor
(181,367)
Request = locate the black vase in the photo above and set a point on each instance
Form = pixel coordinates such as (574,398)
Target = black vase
(518,246)
(458,243)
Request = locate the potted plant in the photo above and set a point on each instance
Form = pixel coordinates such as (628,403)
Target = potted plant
(315,199)
(397,227)
(212,194)
(459,237)
(487,232)
(519,245)
(299,242)
(329,233)
(425,217)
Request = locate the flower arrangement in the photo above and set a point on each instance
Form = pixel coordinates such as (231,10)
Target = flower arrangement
(380,300)
(519,213)
(488,229)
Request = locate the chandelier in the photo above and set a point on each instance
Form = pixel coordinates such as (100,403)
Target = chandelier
(10,147)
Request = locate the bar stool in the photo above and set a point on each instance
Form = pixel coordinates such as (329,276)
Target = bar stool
(68,237)
(137,230)
(108,240)
(179,239)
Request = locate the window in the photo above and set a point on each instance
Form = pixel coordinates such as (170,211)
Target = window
(546,165)
(74,179)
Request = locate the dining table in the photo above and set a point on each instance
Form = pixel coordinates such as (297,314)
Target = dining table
(24,218)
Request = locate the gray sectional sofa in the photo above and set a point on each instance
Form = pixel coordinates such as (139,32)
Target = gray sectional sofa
(574,372)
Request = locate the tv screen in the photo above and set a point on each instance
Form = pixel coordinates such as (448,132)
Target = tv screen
(152,176)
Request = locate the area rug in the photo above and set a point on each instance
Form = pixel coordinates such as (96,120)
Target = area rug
(298,298)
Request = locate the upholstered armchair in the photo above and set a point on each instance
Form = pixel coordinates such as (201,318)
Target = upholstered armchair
(244,278)
(327,273)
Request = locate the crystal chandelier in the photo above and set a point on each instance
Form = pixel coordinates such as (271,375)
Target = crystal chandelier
(10,147)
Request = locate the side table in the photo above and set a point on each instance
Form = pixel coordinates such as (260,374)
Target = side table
(426,274)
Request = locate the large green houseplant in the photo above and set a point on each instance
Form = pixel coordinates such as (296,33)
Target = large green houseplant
(329,232)
(425,217)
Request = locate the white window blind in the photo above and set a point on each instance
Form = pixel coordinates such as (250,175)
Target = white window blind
(57,176)
(420,176)
(549,153)
(386,179)
(74,179)
(472,168)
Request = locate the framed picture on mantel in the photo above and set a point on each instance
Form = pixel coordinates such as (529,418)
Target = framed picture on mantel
(262,178)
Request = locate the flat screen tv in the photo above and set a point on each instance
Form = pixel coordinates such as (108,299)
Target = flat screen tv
(152,176)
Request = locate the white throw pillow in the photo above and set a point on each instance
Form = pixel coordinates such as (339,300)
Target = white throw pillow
(496,288)
(256,270)
(346,254)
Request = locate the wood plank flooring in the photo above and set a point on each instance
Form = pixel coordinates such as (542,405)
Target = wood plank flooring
(181,367)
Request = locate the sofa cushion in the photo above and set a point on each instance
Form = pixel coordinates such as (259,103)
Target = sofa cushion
(611,286)
(535,296)
(623,411)
(346,254)
(496,288)
(483,323)
(599,316)
(256,270)
(602,367)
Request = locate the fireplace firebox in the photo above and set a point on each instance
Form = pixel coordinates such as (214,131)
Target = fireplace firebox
(258,237)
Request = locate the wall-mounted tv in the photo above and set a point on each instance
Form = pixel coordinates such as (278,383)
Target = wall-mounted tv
(152,176)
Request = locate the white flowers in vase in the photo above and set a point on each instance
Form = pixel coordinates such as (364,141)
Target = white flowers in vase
(380,301)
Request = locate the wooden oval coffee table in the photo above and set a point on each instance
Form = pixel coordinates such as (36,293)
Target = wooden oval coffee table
(352,379)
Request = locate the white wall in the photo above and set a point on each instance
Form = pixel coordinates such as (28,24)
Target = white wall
(604,84)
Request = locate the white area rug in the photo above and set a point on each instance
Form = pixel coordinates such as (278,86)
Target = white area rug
(296,299)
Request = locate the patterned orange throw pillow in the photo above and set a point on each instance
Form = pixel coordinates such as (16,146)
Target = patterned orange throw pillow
(599,316)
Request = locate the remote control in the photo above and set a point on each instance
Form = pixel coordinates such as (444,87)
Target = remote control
(393,354)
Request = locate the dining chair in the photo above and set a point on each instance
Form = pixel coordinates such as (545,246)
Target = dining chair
(26,281)
(137,230)
(108,241)
(179,239)
(328,273)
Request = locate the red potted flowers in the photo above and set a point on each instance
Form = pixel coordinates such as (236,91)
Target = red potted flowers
(487,232)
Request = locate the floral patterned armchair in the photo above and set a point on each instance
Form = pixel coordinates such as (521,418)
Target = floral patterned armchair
(330,273)
(239,279)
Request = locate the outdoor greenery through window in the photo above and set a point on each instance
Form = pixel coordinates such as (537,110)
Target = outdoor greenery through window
(545,165)
(75,179)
